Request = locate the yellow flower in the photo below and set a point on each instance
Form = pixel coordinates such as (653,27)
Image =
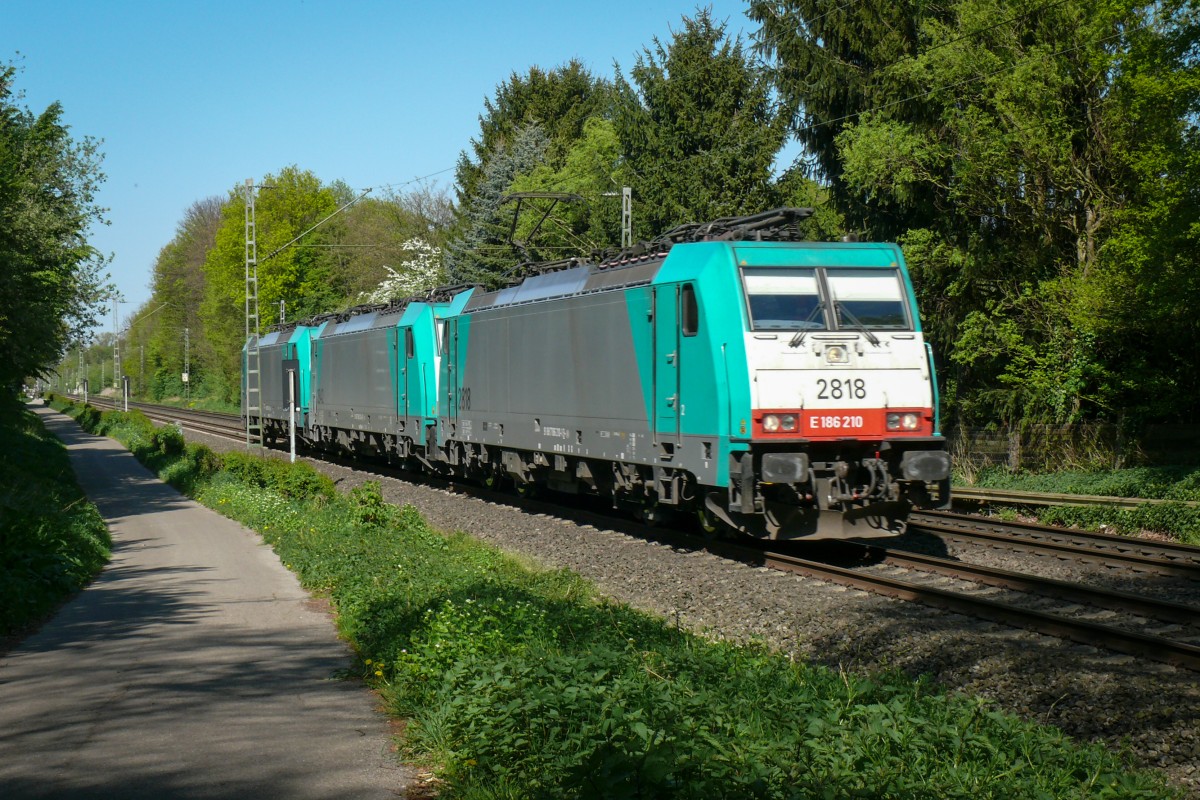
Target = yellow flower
(379,673)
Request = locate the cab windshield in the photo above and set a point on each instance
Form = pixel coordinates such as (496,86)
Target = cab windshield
(867,298)
(816,298)
(783,299)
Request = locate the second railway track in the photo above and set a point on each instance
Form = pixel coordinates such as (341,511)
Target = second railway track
(1122,621)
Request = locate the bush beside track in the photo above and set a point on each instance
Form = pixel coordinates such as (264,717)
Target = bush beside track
(517,682)
(1174,519)
(52,541)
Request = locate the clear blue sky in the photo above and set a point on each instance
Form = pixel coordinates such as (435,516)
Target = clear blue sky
(191,98)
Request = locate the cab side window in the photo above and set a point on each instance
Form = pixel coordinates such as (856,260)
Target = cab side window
(689,311)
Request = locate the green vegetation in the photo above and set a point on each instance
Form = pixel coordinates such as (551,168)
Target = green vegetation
(52,541)
(1037,165)
(1150,483)
(52,278)
(518,682)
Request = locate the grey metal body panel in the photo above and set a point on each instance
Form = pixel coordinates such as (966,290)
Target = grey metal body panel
(354,376)
(573,362)
(271,352)
(274,403)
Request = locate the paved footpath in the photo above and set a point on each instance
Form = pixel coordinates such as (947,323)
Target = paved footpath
(194,666)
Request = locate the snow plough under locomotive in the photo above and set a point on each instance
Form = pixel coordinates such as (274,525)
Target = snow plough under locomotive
(774,387)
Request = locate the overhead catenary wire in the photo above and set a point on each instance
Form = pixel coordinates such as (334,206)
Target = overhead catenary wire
(342,208)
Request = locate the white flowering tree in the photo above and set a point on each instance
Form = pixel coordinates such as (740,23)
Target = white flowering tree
(420,272)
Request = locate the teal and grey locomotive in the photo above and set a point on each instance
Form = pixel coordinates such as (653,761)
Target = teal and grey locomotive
(774,387)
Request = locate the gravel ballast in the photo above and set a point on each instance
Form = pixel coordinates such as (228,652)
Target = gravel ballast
(1092,695)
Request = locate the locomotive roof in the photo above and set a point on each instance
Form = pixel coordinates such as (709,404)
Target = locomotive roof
(637,265)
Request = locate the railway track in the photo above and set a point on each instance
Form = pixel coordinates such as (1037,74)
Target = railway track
(214,423)
(1122,621)
(1142,555)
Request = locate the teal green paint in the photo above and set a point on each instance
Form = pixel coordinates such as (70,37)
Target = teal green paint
(937,400)
(817,254)
(454,367)
(448,384)
(300,343)
(714,385)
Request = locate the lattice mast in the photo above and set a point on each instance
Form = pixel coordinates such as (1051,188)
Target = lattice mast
(253,388)
(116,349)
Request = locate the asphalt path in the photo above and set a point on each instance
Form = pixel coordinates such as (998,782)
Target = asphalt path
(194,666)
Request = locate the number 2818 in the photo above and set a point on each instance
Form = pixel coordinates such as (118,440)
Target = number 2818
(841,389)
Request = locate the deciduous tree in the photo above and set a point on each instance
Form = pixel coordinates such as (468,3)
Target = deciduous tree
(53,278)
(1000,143)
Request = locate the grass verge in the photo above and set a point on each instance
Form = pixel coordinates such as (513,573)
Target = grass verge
(52,541)
(525,683)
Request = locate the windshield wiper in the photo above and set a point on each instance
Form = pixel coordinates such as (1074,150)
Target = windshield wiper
(838,307)
(798,339)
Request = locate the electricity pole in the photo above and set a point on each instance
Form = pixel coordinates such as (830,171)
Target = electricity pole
(252,392)
(626,217)
(116,348)
(187,366)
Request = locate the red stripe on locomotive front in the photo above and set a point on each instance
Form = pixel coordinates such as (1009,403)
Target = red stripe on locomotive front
(841,423)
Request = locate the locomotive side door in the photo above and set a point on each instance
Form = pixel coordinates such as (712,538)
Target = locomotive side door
(449,330)
(405,347)
(666,367)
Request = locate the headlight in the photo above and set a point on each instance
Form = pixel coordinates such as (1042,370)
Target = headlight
(836,354)
(770,423)
(788,422)
(906,421)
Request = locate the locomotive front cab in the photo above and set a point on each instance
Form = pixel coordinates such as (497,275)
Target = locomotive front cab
(843,436)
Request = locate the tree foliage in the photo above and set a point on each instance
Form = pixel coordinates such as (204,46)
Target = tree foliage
(53,279)
(559,101)
(301,277)
(178,290)
(1001,145)
(376,233)
(697,129)
(421,271)
(480,252)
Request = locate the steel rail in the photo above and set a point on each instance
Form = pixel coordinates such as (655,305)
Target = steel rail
(1013,497)
(1112,599)
(1160,557)
(211,422)
(1082,631)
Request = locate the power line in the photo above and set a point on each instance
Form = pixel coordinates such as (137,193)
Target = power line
(414,180)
